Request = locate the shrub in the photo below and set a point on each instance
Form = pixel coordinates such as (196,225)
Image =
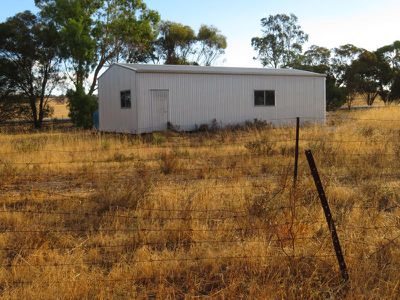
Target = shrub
(81,107)
(173,127)
(203,128)
(215,125)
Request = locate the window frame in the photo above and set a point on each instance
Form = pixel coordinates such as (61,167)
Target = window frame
(123,99)
(265,98)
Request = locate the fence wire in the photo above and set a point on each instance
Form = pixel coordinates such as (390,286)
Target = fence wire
(263,225)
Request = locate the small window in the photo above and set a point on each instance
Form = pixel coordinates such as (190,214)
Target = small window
(264,98)
(126,99)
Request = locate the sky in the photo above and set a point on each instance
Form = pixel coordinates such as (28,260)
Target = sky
(369,24)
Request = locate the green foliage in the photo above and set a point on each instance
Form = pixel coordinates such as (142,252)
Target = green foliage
(175,43)
(368,75)
(316,56)
(390,54)
(74,24)
(336,95)
(354,71)
(343,57)
(29,66)
(97,32)
(81,106)
(317,59)
(281,42)
(394,94)
(178,44)
(212,45)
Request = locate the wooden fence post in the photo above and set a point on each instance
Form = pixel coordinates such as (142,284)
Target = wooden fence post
(328,216)
(296,152)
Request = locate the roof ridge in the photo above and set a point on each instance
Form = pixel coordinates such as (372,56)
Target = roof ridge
(153,68)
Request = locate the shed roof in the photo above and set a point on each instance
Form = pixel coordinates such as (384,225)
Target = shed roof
(146,68)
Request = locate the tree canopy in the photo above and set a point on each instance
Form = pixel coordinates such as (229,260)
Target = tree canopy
(282,41)
(29,62)
(179,44)
(212,44)
(98,32)
(175,43)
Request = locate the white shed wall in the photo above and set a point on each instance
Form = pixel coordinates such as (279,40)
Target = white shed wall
(112,117)
(196,99)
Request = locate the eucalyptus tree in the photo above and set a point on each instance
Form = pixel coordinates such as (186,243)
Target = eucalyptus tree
(29,60)
(212,45)
(368,76)
(342,57)
(318,59)
(95,33)
(175,44)
(282,41)
(180,45)
(391,55)
(316,56)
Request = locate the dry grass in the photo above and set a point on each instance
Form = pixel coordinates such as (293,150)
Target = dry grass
(60,109)
(165,216)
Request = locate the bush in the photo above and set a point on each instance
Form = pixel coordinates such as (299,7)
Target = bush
(202,128)
(81,107)
(173,127)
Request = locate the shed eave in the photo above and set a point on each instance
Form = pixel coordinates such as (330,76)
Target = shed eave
(116,65)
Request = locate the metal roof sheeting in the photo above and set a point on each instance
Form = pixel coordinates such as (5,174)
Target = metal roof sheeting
(184,69)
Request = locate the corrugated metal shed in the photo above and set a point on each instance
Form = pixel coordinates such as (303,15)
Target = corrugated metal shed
(188,96)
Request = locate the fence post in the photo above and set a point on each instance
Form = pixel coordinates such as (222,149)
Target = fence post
(296,152)
(328,216)
(293,194)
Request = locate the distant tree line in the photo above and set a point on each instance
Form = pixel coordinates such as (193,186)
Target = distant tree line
(350,70)
(71,41)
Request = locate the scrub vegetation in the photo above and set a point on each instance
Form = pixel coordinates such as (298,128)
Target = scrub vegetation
(209,214)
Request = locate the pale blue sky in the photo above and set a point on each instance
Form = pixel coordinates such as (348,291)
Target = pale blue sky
(365,23)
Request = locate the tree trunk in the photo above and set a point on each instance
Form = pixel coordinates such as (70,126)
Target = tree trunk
(32,104)
(96,74)
(42,95)
(41,111)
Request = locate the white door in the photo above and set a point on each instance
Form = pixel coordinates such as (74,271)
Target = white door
(159,109)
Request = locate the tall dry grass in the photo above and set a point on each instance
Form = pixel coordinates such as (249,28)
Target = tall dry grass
(87,215)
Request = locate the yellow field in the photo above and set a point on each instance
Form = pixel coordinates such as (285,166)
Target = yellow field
(360,101)
(60,109)
(95,216)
